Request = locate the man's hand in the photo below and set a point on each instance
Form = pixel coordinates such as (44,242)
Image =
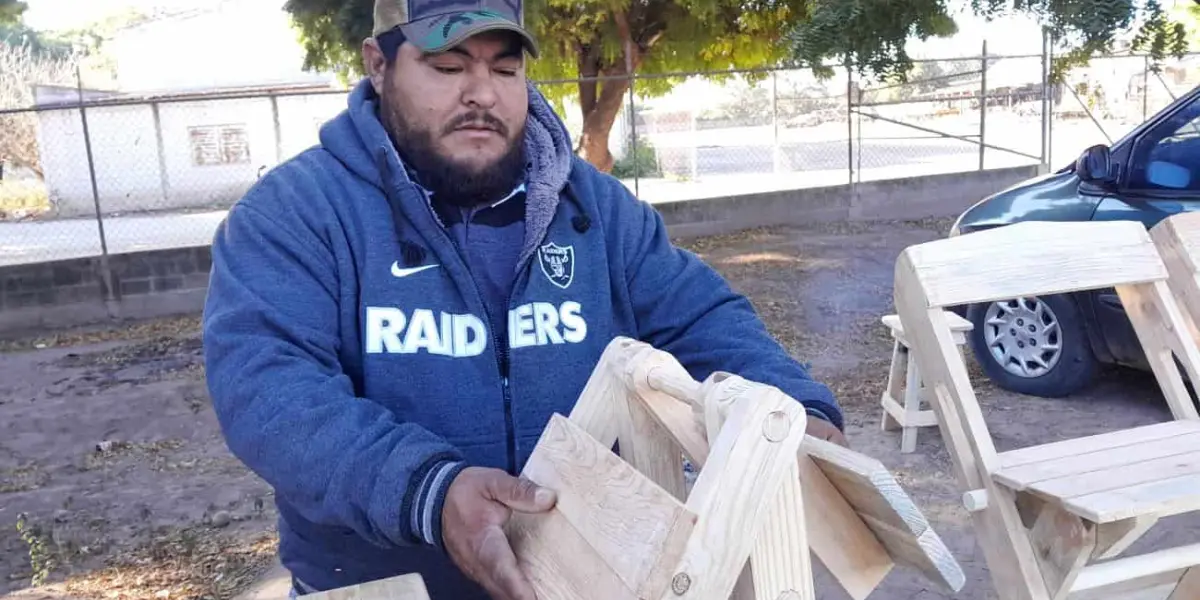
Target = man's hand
(822,429)
(478,504)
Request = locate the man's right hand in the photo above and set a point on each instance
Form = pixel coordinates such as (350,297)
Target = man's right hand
(478,504)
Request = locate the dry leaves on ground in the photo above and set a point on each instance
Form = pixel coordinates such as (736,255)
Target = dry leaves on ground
(194,563)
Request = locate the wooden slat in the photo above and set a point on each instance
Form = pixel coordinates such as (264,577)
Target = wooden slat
(1160,327)
(1067,255)
(559,562)
(1150,587)
(781,561)
(1098,481)
(1056,476)
(1146,570)
(1094,443)
(1178,241)
(1189,586)
(674,415)
(748,462)
(957,323)
(867,485)
(1117,536)
(647,447)
(1161,498)
(880,501)
(838,537)
(404,587)
(632,524)
(605,391)
(919,418)
(1062,543)
(926,553)
(894,390)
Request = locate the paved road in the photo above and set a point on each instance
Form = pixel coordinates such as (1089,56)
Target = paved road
(822,156)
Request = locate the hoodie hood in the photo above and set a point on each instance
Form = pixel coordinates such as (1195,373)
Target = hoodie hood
(357,138)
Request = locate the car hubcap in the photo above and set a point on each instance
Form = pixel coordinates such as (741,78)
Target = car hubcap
(1023,336)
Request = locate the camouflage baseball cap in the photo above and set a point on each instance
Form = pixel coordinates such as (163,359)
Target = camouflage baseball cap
(437,25)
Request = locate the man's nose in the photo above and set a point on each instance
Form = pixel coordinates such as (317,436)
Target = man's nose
(480,88)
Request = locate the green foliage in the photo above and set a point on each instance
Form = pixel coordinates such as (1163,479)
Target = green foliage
(671,36)
(641,161)
(332,33)
(40,44)
(593,38)
(11,10)
(41,559)
(871,34)
(1189,15)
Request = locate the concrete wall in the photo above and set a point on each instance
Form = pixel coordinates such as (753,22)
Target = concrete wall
(148,284)
(911,198)
(36,297)
(144,153)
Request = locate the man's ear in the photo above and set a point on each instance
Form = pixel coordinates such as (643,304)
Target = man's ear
(374,62)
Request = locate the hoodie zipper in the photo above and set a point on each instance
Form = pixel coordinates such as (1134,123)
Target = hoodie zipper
(505,368)
(499,351)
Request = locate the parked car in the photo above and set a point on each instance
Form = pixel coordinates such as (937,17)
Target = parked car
(1052,346)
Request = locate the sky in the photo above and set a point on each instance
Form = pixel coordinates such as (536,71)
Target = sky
(70,14)
(1008,36)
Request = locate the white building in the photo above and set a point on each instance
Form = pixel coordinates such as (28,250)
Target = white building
(208,100)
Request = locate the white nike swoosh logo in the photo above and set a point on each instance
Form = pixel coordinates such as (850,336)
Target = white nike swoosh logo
(398,272)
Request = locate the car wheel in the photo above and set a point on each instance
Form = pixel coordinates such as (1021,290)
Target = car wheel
(1036,346)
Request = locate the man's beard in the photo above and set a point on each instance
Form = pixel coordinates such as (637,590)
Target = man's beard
(451,182)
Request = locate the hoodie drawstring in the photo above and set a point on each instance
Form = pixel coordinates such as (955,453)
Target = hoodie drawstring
(412,254)
(582,222)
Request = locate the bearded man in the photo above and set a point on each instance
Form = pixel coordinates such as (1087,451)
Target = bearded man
(395,314)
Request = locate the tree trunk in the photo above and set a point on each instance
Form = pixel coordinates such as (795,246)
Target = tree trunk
(598,123)
(600,109)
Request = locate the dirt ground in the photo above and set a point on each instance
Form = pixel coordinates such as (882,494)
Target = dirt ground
(115,482)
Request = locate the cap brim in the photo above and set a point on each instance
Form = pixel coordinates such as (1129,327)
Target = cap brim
(437,34)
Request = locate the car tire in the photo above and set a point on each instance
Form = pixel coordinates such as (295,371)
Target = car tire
(1072,369)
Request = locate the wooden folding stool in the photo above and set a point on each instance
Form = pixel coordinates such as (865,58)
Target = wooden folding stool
(904,383)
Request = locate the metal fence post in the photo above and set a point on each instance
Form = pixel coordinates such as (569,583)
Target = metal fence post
(1047,96)
(983,98)
(1145,88)
(775,149)
(110,293)
(637,163)
(850,121)
(278,125)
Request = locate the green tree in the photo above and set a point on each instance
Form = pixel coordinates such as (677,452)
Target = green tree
(10,11)
(1189,14)
(871,34)
(604,42)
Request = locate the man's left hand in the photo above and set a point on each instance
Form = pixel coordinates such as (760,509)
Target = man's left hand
(820,428)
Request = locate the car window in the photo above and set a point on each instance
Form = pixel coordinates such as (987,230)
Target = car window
(1168,157)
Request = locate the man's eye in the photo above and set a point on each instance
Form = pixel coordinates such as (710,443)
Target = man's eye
(507,72)
(448,70)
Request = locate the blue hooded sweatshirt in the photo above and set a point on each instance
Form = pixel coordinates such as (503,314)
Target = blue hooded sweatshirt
(354,358)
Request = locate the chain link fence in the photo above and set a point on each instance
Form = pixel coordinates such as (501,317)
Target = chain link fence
(89,173)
